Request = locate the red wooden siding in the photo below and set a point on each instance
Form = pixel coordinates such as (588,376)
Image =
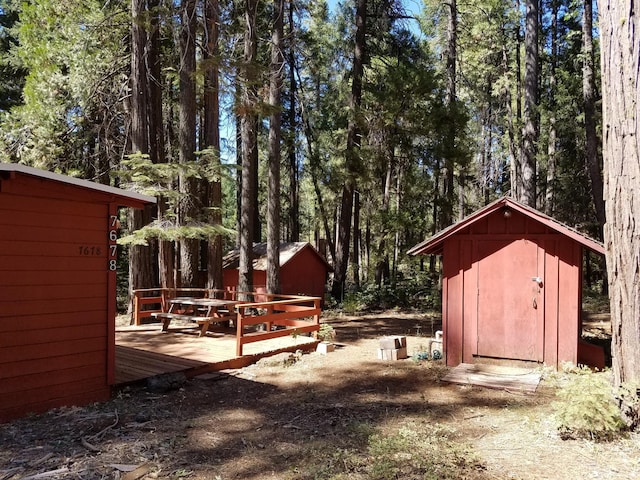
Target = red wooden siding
(53,297)
(551,304)
(492,307)
(303,274)
(569,301)
(453,326)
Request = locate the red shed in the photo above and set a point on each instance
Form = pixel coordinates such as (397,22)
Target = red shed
(512,280)
(57,289)
(303,271)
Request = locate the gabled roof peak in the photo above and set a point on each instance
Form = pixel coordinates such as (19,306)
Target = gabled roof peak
(433,245)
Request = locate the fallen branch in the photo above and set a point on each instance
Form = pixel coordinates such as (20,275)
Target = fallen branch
(139,472)
(101,433)
(98,436)
(50,473)
(88,445)
(4,474)
(41,460)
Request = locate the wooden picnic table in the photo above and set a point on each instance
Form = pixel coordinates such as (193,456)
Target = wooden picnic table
(203,311)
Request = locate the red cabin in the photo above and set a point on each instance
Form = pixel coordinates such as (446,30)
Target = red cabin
(57,289)
(303,271)
(512,280)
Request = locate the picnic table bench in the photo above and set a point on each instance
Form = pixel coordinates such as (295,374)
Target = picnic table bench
(203,311)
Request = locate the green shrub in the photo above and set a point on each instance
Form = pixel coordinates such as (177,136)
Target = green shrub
(351,303)
(587,407)
(421,293)
(326,333)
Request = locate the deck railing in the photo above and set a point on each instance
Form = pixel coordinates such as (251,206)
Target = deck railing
(147,301)
(273,316)
(294,315)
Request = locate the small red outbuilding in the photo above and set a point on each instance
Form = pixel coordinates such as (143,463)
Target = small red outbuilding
(303,271)
(57,289)
(512,280)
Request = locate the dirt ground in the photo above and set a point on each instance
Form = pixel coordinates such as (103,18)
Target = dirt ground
(314,416)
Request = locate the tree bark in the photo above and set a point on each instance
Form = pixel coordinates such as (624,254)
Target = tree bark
(513,117)
(212,140)
(314,167)
(356,240)
(550,194)
(249,142)
(188,211)
(140,269)
(446,216)
(273,211)
(530,128)
(352,155)
(619,25)
(294,190)
(588,93)
(166,266)
(139,121)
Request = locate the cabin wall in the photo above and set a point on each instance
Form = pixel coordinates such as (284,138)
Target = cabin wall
(456,311)
(305,274)
(54,297)
(569,301)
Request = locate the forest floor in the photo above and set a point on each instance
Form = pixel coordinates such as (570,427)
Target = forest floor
(344,415)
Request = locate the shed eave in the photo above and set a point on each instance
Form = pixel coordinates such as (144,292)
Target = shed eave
(288,251)
(434,245)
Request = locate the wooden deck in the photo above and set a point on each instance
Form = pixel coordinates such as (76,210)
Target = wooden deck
(145,351)
(495,376)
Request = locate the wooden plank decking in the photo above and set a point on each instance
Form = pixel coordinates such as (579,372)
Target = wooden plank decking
(495,376)
(146,351)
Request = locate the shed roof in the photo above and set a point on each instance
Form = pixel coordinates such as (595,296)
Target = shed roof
(434,244)
(288,250)
(125,197)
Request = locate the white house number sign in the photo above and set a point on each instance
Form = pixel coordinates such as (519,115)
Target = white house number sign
(114,224)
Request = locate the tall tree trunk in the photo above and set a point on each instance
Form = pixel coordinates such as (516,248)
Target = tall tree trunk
(352,155)
(212,140)
(619,26)
(313,163)
(188,210)
(396,246)
(140,269)
(139,121)
(273,211)
(588,92)
(446,216)
(382,264)
(154,81)
(530,129)
(315,172)
(356,240)
(294,190)
(156,137)
(551,148)
(515,116)
(249,141)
